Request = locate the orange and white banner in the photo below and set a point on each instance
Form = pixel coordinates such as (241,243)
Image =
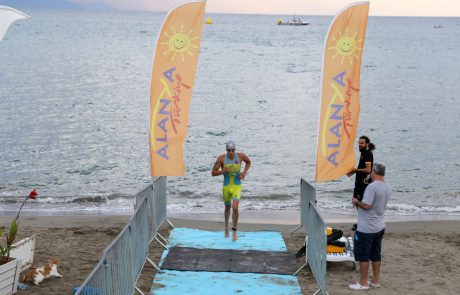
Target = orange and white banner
(9,15)
(173,76)
(340,88)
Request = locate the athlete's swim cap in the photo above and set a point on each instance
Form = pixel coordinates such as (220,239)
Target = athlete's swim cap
(230,145)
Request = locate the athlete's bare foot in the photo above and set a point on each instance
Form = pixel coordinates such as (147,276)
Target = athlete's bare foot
(234,235)
(226,233)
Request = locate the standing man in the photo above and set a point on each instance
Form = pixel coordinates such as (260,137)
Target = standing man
(371,228)
(366,160)
(230,166)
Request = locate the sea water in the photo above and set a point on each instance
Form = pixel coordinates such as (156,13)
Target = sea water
(74,112)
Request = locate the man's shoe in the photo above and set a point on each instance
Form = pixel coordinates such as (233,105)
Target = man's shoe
(358,286)
(375,285)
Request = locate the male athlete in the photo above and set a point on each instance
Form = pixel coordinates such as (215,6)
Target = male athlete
(229,165)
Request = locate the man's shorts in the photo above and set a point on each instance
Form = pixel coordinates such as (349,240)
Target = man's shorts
(368,246)
(231,192)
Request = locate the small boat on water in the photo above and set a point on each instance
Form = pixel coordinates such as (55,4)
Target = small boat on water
(294,22)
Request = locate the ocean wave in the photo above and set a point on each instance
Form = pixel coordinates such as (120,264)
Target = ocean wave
(263,42)
(68,199)
(341,206)
(273,197)
(219,134)
(188,201)
(197,195)
(91,170)
(404,209)
(295,69)
(392,209)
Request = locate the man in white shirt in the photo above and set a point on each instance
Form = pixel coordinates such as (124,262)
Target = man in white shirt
(371,228)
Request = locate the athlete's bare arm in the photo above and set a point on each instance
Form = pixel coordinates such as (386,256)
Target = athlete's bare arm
(247,161)
(218,168)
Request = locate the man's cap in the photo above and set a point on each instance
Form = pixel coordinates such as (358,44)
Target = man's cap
(230,145)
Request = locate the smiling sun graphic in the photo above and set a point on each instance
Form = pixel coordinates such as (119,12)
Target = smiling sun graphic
(346,46)
(179,42)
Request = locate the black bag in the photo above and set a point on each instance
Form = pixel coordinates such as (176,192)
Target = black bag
(334,236)
(331,240)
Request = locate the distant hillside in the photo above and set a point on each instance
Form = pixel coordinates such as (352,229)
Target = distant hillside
(49,4)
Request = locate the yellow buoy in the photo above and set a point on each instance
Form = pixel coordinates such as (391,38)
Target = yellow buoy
(209,21)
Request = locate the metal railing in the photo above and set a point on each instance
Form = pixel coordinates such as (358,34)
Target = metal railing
(316,240)
(122,261)
(316,247)
(157,208)
(307,194)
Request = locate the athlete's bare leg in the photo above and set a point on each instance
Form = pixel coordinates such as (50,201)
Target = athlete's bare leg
(227,217)
(235,217)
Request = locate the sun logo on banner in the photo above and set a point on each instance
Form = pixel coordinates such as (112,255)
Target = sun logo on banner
(346,46)
(179,42)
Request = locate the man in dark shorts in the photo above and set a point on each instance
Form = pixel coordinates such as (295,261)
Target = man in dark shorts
(371,228)
(366,160)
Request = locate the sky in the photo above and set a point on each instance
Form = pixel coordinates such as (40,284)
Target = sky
(300,7)
(275,7)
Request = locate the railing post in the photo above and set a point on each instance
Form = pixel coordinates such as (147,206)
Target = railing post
(307,194)
(316,247)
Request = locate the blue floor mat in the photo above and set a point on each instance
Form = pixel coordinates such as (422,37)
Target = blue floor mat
(213,283)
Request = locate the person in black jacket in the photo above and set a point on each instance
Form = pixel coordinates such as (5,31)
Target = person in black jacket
(364,169)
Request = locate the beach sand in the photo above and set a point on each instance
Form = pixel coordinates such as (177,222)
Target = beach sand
(419,257)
